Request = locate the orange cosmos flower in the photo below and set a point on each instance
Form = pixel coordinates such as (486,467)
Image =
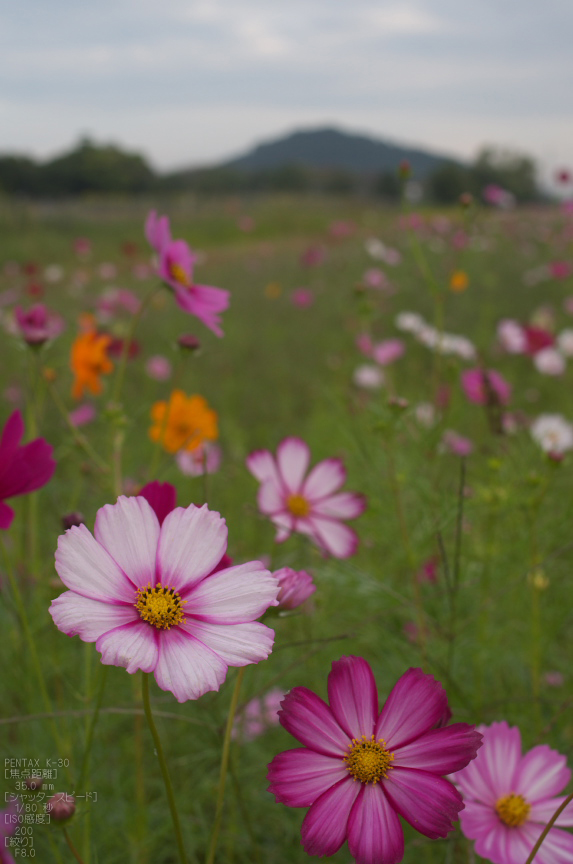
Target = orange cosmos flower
(183,423)
(459,281)
(89,360)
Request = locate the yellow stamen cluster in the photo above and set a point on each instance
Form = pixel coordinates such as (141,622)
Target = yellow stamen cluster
(513,810)
(368,760)
(178,273)
(161,606)
(298,505)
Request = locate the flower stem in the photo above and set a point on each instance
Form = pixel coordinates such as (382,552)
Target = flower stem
(548,828)
(73,849)
(79,438)
(163,766)
(127,345)
(91,728)
(224,766)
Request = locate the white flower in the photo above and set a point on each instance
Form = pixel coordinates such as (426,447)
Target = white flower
(409,322)
(425,414)
(565,342)
(553,433)
(368,376)
(548,361)
(511,336)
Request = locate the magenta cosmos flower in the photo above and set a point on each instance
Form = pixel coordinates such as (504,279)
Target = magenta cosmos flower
(309,505)
(24,468)
(38,324)
(147,595)
(483,386)
(176,262)
(360,770)
(510,798)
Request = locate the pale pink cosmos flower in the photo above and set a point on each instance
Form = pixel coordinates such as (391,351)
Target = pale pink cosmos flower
(565,342)
(296,586)
(158,368)
(82,415)
(306,504)
(482,386)
(368,376)
(388,351)
(549,361)
(360,770)
(512,336)
(205,458)
(553,433)
(376,278)
(455,443)
(147,595)
(258,715)
(510,797)
(364,344)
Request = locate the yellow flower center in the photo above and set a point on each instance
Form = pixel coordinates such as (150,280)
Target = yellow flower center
(179,274)
(513,810)
(368,760)
(160,606)
(298,505)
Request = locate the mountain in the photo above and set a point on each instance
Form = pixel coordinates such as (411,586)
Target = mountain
(332,149)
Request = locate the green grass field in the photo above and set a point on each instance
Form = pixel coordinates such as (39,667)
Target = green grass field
(491,627)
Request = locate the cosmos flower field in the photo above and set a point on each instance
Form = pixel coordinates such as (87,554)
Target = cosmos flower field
(285,533)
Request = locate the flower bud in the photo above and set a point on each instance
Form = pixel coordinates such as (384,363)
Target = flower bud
(295,587)
(61,806)
(189,342)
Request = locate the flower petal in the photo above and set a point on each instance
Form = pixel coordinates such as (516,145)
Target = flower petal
(89,619)
(374,830)
(311,722)
(187,667)
(333,537)
(353,696)
(440,751)
(542,773)
(162,497)
(325,825)
(557,847)
(324,479)
(6,516)
(293,457)
(192,541)
(298,777)
(233,596)
(135,646)
(344,505)
(87,568)
(129,531)
(542,811)
(416,703)
(491,774)
(262,465)
(236,644)
(429,803)
(270,497)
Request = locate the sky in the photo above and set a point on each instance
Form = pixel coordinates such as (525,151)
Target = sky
(192,82)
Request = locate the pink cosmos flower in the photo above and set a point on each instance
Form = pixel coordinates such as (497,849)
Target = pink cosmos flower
(313,256)
(455,443)
(147,595)
(549,361)
(512,336)
(24,468)
(82,415)
(257,716)
(38,324)
(302,297)
(481,386)
(157,231)
(537,339)
(158,367)
(359,770)
(296,586)
(388,351)
(510,798)
(207,457)
(309,505)
(560,269)
(376,278)
(176,262)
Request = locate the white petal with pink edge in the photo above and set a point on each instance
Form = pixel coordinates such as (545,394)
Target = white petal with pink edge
(284,524)
(333,537)
(352,696)
(135,646)
(429,803)
(129,531)
(187,667)
(344,505)
(84,566)
(293,457)
(192,541)
(542,773)
(236,644)
(236,595)
(79,616)
(324,827)
(374,830)
(262,465)
(324,479)
(490,775)
(298,777)
(415,704)
(271,498)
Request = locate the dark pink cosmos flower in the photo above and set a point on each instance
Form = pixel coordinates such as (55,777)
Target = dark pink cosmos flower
(38,324)
(481,386)
(302,297)
(359,770)
(510,797)
(296,586)
(537,339)
(308,505)
(24,468)
(151,598)
(560,269)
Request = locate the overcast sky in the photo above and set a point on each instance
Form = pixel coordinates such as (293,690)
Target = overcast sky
(192,81)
